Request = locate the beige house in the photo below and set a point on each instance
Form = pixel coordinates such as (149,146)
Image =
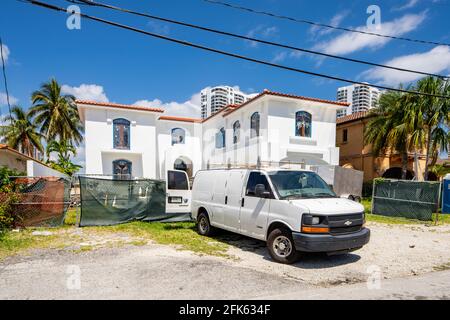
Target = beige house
(26,165)
(355,154)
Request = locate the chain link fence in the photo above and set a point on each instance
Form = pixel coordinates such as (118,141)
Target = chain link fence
(408,199)
(42,201)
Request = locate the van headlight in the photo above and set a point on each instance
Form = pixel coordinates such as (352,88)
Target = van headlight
(314,224)
(311,220)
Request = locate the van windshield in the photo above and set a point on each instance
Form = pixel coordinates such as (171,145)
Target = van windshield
(300,184)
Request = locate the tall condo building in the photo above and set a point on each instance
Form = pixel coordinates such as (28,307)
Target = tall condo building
(215,98)
(360,97)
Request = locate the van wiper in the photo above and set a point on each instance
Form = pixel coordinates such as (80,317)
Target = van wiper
(324,195)
(293,196)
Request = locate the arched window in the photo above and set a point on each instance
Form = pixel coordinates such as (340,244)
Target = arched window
(303,124)
(236,132)
(254,125)
(122,167)
(220,138)
(121,132)
(178,136)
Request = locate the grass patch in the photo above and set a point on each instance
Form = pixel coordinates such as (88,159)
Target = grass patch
(367,203)
(181,234)
(71,217)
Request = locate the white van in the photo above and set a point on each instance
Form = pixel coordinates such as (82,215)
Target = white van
(294,211)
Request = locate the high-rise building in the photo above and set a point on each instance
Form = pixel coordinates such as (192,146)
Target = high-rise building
(215,98)
(361,98)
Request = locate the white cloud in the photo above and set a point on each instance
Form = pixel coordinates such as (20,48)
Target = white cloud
(335,22)
(4,100)
(437,60)
(261,31)
(189,108)
(86,92)
(279,57)
(407,5)
(349,42)
(158,28)
(6,53)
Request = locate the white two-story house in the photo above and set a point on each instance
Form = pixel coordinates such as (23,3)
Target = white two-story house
(270,129)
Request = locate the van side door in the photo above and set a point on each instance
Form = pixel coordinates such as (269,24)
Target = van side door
(218,185)
(178,199)
(233,196)
(255,210)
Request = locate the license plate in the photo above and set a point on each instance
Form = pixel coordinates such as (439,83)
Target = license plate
(175,200)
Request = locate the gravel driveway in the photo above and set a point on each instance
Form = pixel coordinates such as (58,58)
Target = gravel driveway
(162,272)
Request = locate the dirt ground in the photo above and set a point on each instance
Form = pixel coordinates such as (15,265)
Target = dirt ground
(154,271)
(394,251)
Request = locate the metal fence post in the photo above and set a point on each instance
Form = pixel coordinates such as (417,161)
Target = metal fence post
(373,197)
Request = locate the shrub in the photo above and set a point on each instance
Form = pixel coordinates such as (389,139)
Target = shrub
(7,218)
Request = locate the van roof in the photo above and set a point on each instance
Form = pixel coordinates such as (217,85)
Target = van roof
(271,169)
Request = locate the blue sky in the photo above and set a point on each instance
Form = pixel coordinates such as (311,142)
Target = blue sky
(103,63)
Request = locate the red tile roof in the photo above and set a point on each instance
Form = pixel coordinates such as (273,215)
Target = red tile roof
(285,95)
(6,147)
(118,105)
(352,117)
(183,119)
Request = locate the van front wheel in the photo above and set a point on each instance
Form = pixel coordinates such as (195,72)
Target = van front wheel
(203,225)
(281,246)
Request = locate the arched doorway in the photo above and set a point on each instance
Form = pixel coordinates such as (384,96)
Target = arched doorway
(185,164)
(396,173)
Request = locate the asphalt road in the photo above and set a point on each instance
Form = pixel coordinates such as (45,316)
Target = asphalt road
(160,272)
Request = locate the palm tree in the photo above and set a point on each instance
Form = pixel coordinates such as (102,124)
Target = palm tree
(63,149)
(433,115)
(56,114)
(21,134)
(387,131)
(63,163)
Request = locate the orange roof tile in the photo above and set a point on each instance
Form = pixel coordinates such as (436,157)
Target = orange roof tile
(278,94)
(352,117)
(118,105)
(183,119)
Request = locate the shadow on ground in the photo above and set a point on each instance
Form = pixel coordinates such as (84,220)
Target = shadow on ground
(306,261)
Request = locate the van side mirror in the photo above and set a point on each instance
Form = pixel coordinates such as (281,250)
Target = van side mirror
(261,192)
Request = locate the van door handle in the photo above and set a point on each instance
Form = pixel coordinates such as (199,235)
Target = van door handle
(242,202)
(226,199)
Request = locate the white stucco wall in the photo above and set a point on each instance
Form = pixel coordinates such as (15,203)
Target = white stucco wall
(99,146)
(152,154)
(190,150)
(36,169)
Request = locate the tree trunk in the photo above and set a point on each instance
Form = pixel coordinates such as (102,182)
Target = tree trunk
(404,165)
(427,158)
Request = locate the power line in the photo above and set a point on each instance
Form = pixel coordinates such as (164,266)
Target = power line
(322,25)
(230,54)
(98,4)
(4,78)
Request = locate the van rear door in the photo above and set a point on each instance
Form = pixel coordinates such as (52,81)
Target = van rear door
(178,199)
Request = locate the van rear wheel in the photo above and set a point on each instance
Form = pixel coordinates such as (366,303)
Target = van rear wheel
(204,227)
(281,246)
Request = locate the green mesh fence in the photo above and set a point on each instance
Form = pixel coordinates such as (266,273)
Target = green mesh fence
(43,201)
(408,199)
(110,200)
